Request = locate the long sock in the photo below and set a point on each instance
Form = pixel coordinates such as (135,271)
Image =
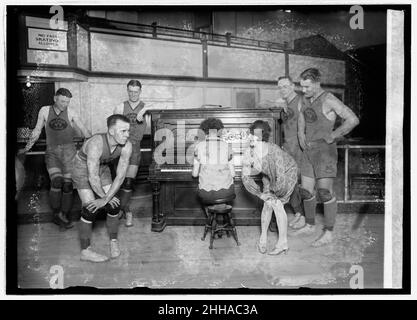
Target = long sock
(295,200)
(85,234)
(265,220)
(67,200)
(330,211)
(310,210)
(112,223)
(125,196)
(281,217)
(55,196)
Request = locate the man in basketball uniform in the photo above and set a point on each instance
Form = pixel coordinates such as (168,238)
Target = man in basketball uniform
(317,138)
(60,151)
(92,179)
(289,116)
(133,109)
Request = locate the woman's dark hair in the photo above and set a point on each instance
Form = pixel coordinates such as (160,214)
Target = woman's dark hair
(262,125)
(211,123)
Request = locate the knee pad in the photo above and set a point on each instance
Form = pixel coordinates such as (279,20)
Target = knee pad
(57,182)
(305,194)
(67,187)
(113,212)
(128,184)
(88,215)
(324,195)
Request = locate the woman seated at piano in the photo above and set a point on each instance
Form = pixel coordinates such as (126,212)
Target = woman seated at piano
(213,163)
(279,176)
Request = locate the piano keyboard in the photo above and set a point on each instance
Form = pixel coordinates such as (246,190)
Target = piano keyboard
(176,170)
(185,170)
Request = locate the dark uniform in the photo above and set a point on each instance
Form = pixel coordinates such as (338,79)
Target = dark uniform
(60,147)
(290,125)
(60,152)
(320,160)
(137,129)
(80,170)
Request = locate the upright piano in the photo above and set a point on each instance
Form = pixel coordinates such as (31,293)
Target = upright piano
(174,134)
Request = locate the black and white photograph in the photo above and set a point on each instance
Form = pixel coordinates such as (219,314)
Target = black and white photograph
(206,148)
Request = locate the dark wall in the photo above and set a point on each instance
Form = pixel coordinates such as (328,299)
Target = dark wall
(366,87)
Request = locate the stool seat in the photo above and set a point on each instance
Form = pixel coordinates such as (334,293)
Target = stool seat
(220,208)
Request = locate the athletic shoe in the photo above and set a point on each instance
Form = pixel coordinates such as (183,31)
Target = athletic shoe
(114,248)
(295,220)
(129,219)
(300,223)
(61,221)
(325,238)
(90,255)
(306,230)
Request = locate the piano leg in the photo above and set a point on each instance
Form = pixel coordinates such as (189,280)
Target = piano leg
(158,220)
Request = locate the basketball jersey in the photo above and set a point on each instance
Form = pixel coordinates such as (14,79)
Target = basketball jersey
(316,123)
(290,118)
(106,156)
(137,128)
(58,128)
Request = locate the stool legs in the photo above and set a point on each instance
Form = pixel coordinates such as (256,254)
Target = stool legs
(227,226)
(232,225)
(208,224)
(213,229)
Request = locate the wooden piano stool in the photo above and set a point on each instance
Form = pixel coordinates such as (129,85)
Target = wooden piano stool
(213,211)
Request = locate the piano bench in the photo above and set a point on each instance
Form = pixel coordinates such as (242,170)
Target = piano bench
(213,211)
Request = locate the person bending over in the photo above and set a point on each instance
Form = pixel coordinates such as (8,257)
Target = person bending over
(92,178)
(279,171)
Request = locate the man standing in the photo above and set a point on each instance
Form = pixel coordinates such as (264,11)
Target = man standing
(289,116)
(92,178)
(317,138)
(60,151)
(133,109)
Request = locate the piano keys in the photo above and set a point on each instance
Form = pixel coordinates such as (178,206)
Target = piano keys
(174,134)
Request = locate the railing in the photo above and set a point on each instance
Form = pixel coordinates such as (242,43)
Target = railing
(157,31)
(348,177)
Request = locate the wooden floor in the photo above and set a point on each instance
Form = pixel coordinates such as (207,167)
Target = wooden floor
(177,258)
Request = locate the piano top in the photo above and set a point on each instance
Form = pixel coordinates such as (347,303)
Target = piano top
(220,112)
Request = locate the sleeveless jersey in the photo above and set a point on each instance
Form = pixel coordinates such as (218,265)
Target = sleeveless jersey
(106,156)
(137,129)
(317,125)
(290,118)
(58,128)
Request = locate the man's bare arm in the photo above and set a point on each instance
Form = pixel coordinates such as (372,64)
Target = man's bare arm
(36,132)
(120,171)
(86,133)
(94,150)
(349,117)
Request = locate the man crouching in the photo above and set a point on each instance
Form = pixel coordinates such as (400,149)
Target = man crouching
(92,178)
